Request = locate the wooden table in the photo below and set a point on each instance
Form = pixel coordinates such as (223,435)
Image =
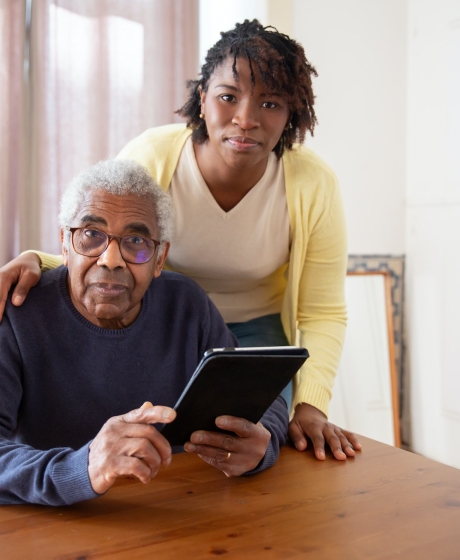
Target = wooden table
(386,503)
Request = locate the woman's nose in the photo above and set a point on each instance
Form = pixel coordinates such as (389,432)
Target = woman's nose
(246,115)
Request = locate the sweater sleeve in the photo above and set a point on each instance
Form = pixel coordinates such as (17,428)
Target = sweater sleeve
(27,475)
(275,420)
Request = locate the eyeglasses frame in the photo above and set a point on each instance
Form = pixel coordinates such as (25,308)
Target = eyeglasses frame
(109,240)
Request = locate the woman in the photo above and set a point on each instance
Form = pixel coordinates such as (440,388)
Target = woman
(260,222)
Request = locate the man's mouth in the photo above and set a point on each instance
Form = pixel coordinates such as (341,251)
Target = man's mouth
(242,142)
(107,289)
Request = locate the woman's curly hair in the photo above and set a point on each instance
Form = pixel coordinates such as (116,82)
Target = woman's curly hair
(282,66)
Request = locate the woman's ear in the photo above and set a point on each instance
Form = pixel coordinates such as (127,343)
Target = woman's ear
(202,97)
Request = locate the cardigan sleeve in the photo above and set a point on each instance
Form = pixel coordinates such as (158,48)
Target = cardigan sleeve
(321,307)
(48,262)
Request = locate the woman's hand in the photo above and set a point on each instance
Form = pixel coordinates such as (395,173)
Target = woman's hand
(310,422)
(232,454)
(24,271)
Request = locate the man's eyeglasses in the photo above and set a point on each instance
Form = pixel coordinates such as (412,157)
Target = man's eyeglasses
(92,243)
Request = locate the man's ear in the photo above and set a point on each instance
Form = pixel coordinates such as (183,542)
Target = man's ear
(65,251)
(161,260)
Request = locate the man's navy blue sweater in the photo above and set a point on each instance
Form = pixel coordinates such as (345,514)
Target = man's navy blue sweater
(62,378)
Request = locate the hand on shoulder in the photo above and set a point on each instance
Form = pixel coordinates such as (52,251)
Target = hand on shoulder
(25,272)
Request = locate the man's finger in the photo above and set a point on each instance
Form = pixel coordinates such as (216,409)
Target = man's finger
(124,466)
(240,426)
(143,450)
(150,415)
(215,440)
(138,424)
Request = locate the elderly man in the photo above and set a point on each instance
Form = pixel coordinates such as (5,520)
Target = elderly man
(98,337)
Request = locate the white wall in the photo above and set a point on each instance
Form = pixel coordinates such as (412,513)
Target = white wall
(359,50)
(216,16)
(433,227)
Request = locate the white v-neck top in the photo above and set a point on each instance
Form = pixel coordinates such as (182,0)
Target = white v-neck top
(238,257)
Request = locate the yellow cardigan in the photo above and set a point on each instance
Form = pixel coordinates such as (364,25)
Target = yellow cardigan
(314,311)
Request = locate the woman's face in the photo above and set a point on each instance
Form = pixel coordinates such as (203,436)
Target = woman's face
(244,122)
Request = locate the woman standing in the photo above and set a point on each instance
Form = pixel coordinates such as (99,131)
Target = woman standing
(260,222)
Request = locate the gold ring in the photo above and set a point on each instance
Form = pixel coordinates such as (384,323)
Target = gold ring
(228,455)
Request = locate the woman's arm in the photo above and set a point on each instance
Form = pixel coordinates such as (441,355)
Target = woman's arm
(24,271)
(321,317)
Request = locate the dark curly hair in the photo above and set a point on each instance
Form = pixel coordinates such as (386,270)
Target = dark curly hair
(282,66)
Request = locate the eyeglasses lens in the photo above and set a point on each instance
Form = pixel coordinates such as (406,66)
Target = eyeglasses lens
(89,242)
(137,250)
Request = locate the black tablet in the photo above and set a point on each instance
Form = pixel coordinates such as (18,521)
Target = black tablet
(241,382)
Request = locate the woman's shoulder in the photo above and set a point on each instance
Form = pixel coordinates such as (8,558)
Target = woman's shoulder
(158,150)
(306,165)
(165,133)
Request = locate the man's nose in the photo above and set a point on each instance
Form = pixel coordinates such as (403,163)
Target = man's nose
(246,115)
(111,257)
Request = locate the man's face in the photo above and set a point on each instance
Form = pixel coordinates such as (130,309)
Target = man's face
(106,290)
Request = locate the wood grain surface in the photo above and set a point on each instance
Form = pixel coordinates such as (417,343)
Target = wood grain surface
(386,503)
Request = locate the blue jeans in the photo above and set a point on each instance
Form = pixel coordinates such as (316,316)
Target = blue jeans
(263,331)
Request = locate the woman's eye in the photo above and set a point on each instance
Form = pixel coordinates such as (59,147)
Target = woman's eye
(269,105)
(227,97)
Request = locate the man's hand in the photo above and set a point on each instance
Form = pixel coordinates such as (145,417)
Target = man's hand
(232,454)
(311,422)
(128,445)
(24,271)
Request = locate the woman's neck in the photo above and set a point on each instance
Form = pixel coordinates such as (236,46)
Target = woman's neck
(228,185)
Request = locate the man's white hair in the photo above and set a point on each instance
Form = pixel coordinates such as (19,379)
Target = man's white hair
(119,177)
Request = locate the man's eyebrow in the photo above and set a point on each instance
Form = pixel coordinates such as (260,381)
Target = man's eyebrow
(139,227)
(133,227)
(92,219)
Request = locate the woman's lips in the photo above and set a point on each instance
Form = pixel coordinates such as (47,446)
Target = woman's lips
(242,142)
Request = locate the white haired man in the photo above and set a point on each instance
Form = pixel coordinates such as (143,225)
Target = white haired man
(99,336)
